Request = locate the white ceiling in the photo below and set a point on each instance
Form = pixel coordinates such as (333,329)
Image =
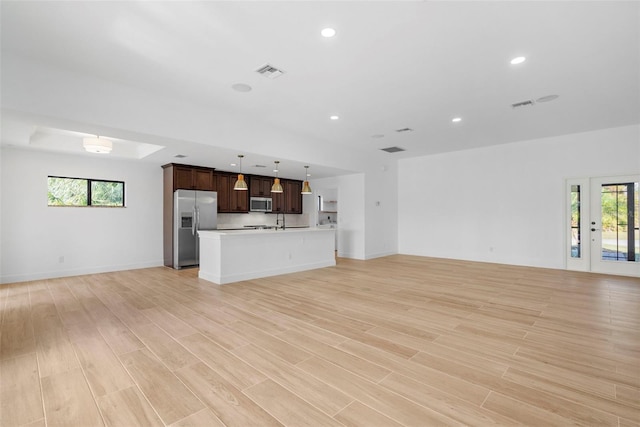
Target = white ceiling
(391,65)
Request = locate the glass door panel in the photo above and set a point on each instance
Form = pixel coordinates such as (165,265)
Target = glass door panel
(576,249)
(614,222)
(619,222)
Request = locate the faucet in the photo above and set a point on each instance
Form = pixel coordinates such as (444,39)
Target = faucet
(277,222)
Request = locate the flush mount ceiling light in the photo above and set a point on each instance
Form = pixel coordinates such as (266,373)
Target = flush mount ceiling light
(456,119)
(97,145)
(328,32)
(306,189)
(240,184)
(518,60)
(276,187)
(334,117)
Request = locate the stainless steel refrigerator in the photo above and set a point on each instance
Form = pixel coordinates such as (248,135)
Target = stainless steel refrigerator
(192,211)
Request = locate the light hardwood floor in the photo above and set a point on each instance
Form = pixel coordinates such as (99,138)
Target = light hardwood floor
(393,341)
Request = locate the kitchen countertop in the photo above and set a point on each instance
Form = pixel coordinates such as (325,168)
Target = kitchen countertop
(244,231)
(267,227)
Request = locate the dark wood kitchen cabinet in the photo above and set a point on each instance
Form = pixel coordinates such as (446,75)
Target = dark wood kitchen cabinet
(222,180)
(290,200)
(292,197)
(260,186)
(184,177)
(230,200)
(277,201)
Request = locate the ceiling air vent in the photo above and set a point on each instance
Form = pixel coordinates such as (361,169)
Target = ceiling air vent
(392,149)
(527,103)
(179,156)
(270,71)
(258,166)
(404,130)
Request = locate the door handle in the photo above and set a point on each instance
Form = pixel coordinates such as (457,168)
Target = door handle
(194,219)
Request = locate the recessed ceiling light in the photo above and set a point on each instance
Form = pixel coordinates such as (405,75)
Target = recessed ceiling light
(233,164)
(334,117)
(518,60)
(328,32)
(241,87)
(456,119)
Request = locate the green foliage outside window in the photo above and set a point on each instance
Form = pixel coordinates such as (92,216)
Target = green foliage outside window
(84,192)
(107,193)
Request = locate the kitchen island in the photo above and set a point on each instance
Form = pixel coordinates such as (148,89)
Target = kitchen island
(228,256)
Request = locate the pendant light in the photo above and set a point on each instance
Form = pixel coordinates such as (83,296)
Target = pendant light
(240,184)
(276,187)
(306,189)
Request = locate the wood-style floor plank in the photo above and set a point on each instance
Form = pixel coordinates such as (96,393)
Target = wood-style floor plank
(228,403)
(358,414)
(104,372)
(68,400)
(374,395)
(16,333)
(399,340)
(323,396)
(20,397)
(288,408)
(172,400)
(200,418)
(127,407)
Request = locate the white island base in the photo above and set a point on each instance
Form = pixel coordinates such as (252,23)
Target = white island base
(236,255)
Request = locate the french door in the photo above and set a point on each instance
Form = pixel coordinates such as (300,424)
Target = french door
(604,221)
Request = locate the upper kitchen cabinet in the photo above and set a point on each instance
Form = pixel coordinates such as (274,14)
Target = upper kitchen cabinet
(290,200)
(292,197)
(184,177)
(230,200)
(278,204)
(260,186)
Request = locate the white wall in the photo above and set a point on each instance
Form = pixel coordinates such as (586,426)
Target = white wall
(367,211)
(351,217)
(34,236)
(505,203)
(381,210)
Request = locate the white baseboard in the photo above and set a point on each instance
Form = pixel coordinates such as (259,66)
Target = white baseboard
(16,278)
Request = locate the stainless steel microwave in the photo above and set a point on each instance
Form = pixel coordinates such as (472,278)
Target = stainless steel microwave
(260,204)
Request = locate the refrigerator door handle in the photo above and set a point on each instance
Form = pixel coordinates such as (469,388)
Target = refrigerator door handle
(193,222)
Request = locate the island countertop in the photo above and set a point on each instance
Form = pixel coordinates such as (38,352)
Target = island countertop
(228,256)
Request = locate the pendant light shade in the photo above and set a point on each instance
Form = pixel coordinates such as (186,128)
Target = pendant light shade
(306,189)
(276,187)
(97,145)
(240,184)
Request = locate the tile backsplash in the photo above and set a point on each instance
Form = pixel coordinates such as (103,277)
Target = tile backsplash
(229,220)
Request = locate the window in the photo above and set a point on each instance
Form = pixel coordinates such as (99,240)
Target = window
(64,191)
